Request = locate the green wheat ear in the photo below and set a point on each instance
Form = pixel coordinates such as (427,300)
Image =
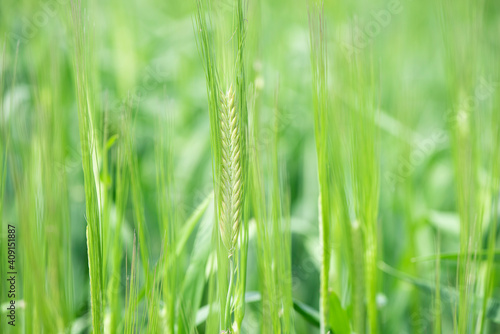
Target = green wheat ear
(231,180)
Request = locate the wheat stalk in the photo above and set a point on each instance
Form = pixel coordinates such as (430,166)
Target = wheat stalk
(231,178)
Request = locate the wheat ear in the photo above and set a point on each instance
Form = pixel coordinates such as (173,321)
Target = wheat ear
(231,183)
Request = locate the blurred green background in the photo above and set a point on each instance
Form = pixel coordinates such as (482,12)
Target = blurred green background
(146,53)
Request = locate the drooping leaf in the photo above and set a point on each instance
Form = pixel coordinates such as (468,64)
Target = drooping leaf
(309,314)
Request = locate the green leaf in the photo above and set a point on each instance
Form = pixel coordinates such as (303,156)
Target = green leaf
(111,141)
(191,224)
(195,278)
(105,178)
(202,314)
(309,314)
(448,293)
(337,316)
(454,256)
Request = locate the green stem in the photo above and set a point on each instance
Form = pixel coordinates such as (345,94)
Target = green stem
(325,267)
(227,312)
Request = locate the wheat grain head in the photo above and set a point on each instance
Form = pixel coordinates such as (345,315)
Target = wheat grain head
(230,178)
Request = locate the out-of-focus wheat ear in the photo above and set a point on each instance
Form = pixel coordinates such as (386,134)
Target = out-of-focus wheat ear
(231,178)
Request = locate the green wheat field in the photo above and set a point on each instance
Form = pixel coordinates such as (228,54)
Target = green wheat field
(250,166)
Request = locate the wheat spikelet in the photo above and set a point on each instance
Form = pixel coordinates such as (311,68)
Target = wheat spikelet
(231,183)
